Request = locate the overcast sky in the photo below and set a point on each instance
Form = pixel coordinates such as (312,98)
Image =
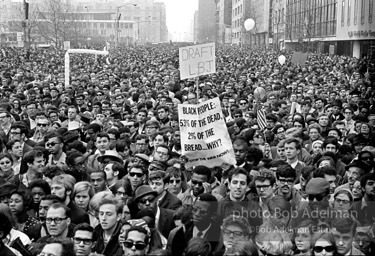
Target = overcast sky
(179,15)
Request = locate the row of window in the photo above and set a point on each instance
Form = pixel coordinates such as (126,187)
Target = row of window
(362,5)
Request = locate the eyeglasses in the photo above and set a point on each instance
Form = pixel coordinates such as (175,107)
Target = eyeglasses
(15,133)
(195,182)
(99,94)
(151,127)
(140,144)
(319,249)
(283,181)
(349,113)
(138,246)
(6,162)
(263,187)
(243,103)
(318,198)
(145,200)
(132,174)
(236,234)
(339,201)
(51,144)
(238,116)
(78,240)
(170,181)
(42,125)
(56,220)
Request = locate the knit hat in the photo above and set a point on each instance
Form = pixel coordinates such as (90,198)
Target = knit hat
(143,191)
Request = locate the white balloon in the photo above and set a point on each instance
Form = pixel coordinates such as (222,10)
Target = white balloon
(281,59)
(249,24)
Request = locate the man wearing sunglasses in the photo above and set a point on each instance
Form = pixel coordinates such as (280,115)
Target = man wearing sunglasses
(42,126)
(54,145)
(136,241)
(159,181)
(145,198)
(317,207)
(83,239)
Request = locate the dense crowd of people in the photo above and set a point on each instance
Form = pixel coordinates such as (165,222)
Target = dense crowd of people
(95,165)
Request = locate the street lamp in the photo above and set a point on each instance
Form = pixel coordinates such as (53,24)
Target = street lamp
(118,20)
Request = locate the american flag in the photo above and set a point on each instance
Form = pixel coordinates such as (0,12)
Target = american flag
(261,118)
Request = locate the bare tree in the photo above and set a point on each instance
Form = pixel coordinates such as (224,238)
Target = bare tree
(30,26)
(54,22)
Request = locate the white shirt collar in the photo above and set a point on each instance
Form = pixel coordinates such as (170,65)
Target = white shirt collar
(196,230)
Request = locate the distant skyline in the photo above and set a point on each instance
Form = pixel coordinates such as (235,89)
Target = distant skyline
(180,14)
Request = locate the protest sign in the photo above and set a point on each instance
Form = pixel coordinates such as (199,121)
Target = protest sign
(204,135)
(197,60)
(299,58)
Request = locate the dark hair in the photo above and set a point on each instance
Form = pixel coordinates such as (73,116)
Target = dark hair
(27,198)
(331,140)
(203,170)
(102,135)
(53,198)
(344,225)
(325,158)
(254,155)
(367,177)
(66,244)
(22,126)
(115,132)
(6,155)
(286,171)
(40,183)
(266,174)
(10,144)
(238,171)
(205,197)
(140,230)
(295,141)
(84,227)
(53,134)
(30,156)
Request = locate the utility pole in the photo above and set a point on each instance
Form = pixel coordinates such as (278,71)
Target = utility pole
(24,24)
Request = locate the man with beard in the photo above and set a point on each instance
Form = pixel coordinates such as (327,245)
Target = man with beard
(107,233)
(317,207)
(145,197)
(62,186)
(54,145)
(365,207)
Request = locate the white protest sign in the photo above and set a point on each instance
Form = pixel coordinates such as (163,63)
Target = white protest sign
(204,135)
(197,60)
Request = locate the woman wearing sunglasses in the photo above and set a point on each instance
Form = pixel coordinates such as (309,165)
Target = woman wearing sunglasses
(324,245)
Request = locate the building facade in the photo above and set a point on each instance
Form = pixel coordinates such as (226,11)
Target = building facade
(206,21)
(223,21)
(344,27)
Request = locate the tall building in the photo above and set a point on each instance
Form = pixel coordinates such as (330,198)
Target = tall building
(206,21)
(223,21)
(277,23)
